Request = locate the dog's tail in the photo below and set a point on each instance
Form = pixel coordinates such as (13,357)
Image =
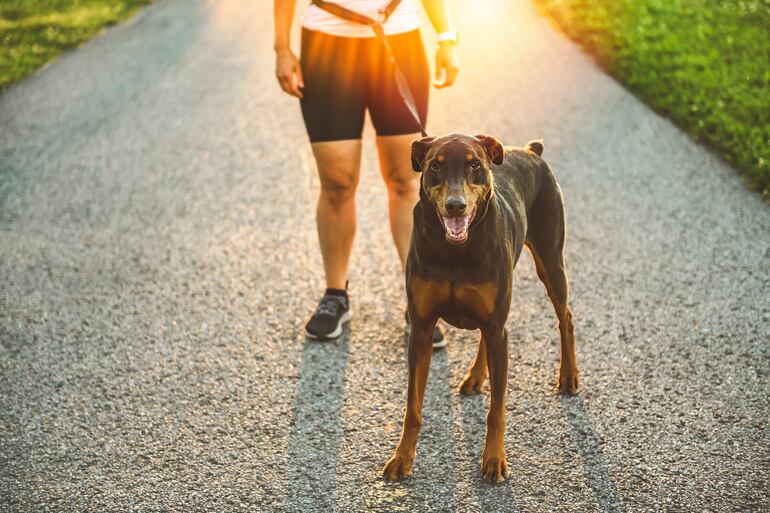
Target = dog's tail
(535,147)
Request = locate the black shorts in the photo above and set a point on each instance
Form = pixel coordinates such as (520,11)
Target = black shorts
(344,76)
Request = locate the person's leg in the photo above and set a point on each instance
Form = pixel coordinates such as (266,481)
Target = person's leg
(338,170)
(403,193)
(396,129)
(333,108)
(403,187)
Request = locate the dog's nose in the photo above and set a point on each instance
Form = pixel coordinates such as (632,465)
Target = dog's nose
(455,205)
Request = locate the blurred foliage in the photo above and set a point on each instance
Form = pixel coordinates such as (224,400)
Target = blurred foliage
(32,32)
(703,63)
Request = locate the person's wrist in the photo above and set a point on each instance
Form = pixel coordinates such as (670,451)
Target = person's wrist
(281,48)
(448,37)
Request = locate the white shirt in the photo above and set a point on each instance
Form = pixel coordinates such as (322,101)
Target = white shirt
(404,19)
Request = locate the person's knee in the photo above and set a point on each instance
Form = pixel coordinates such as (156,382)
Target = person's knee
(404,186)
(338,191)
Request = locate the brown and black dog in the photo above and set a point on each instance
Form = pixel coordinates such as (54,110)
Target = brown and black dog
(480,204)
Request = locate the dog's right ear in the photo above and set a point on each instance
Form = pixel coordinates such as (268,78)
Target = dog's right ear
(419,149)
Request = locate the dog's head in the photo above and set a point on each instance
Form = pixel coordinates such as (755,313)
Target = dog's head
(457,177)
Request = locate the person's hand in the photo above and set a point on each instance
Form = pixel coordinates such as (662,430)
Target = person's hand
(288,72)
(447,65)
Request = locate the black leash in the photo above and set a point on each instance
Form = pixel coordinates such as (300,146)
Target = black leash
(401,84)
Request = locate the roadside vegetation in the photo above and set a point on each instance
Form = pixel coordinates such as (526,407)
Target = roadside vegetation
(703,63)
(32,32)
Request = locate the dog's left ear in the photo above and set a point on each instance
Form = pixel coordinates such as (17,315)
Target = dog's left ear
(536,147)
(419,149)
(493,147)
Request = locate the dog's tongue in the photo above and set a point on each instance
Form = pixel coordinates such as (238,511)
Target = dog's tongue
(456,225)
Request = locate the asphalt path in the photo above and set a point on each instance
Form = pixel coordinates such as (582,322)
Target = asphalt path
(158,259)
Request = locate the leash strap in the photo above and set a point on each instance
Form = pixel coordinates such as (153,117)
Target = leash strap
(401,84)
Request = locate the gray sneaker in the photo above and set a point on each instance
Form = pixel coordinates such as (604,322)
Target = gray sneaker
(326,323)
(439,341)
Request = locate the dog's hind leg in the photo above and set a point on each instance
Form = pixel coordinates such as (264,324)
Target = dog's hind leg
(554,276)
(546,239)
(474,379)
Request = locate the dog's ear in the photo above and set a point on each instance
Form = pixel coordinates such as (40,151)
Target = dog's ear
(535,146)
(419,149)
(493,147)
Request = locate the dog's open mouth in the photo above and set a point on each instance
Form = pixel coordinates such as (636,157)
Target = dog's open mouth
(456,228)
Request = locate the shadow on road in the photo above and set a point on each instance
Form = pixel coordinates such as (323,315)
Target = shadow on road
(316,425)
(435,476)
(473,414)
(594,468)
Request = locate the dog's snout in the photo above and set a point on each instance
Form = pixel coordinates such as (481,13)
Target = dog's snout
(455,205)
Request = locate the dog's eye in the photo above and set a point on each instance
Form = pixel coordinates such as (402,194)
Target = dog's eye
(475,165)
(435,166)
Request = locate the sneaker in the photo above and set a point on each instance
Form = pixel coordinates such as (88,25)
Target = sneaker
(326,323)
(439,340)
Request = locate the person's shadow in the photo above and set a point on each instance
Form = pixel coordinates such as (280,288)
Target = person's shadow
(316,425)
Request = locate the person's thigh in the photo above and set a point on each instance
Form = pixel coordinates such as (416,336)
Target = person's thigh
(334,95)
(396,165)
(390,116)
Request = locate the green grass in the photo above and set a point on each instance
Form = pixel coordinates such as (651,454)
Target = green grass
(32,32)
(703,63)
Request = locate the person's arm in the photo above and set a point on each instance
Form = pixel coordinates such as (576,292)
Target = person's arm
(447,57)
(287,68)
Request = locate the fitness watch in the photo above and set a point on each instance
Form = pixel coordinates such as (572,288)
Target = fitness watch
(449,36)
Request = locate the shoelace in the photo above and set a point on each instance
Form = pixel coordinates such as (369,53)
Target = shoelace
(329,305)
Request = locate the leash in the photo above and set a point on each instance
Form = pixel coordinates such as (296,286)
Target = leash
(401,84)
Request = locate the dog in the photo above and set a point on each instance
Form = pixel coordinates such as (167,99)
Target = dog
(480,204)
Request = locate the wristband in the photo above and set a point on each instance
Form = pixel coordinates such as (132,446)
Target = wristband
(449,36)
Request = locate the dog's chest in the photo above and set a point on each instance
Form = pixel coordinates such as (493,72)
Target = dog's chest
(460,304)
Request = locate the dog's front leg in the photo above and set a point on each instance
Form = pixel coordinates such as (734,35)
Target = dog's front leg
(494,466)
(420,351)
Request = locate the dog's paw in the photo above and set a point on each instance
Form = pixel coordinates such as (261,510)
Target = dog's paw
(472,384)
(568,383)
(494,466)
(398,466)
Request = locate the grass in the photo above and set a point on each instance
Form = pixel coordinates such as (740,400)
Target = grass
(703,63)
(33,32)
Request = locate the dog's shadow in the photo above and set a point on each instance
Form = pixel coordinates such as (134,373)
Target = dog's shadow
(595,470)
(316,432)
(473,411)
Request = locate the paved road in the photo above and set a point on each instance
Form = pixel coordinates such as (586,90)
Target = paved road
(158,259)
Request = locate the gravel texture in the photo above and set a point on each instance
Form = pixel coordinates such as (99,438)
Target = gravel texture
(158,260)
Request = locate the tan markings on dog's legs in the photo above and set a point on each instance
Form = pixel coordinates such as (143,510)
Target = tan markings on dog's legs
(424,296)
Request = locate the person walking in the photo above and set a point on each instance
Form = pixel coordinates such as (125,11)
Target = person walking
(344,70)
